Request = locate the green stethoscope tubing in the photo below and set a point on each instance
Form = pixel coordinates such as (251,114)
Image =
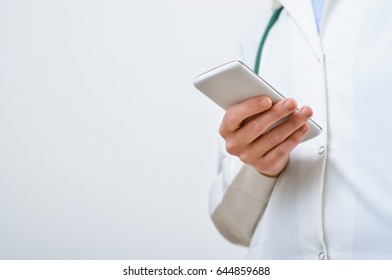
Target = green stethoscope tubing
(271,23)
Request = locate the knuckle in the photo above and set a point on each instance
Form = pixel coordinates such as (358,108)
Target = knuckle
(231,116)
(281,151)
(232,147)
(254,127)
(222,130)
(274,137)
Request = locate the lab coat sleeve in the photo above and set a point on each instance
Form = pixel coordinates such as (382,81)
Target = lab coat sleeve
(239,194)
(238,198)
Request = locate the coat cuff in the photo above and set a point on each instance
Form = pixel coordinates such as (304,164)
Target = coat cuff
(236,209)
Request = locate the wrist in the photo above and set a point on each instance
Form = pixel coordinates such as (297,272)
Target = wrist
(272,176)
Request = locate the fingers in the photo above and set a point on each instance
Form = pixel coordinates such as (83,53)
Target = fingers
(236,115)
(259,124)
(275,160)
(270,152)
(272,163)
(263,135)
(279,133)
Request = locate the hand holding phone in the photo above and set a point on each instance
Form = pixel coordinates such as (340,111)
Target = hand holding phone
(260,126)
(234,82)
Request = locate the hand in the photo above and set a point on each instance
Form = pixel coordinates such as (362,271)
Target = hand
(244,124)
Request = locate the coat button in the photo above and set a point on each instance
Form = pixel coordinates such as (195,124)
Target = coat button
(322,256)
(321,150)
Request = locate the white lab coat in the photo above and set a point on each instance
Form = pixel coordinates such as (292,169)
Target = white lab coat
(334,198)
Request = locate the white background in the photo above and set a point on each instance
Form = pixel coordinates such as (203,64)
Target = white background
(106,149)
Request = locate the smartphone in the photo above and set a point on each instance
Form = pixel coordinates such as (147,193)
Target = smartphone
(234,82)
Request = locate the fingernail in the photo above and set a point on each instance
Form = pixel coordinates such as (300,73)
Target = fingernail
(265,102)
(304,128)
(289,105)
(305,112)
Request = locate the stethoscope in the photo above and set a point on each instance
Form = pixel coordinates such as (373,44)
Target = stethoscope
(270,24)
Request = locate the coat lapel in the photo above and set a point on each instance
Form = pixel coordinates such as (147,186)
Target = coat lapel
(302,13)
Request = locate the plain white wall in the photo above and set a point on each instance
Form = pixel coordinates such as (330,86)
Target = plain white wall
(106,149)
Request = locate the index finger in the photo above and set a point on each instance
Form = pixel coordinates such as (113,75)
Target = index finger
(235,115)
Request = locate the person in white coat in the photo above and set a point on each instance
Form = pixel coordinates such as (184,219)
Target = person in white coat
(329,197)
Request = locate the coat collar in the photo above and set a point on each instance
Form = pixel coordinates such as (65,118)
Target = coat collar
(302,13)
(275,4)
